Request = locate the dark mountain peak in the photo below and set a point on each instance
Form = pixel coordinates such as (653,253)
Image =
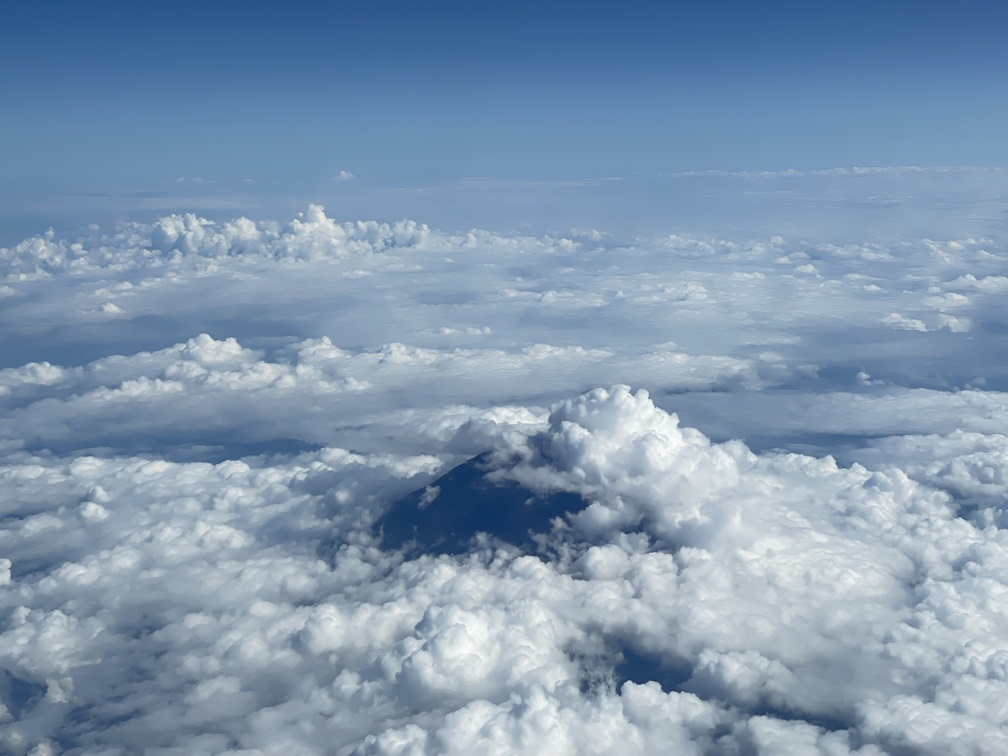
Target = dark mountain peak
(445,516)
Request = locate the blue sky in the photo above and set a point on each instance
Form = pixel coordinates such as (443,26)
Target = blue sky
(115,97)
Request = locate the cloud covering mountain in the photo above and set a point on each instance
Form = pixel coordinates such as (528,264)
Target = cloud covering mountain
(764,479)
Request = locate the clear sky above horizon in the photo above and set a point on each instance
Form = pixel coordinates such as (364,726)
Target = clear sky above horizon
(109,97)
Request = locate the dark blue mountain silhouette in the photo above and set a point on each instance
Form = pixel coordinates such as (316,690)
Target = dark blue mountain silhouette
(467,504)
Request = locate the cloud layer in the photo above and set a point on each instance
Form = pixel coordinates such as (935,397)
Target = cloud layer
(787,537)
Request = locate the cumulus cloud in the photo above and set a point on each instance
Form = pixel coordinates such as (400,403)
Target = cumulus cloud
(787,537)
(210,613)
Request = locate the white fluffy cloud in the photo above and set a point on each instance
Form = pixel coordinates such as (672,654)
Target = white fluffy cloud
(203,421)
(814,606)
